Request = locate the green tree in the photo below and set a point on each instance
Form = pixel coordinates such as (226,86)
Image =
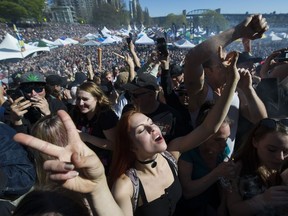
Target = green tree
(146,17)
(172,18)
(139,15)
(12,12)
(34,7)
(15,10)
(212,21)
(107,15)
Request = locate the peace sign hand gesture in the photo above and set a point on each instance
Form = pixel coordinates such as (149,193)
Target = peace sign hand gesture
(76,166)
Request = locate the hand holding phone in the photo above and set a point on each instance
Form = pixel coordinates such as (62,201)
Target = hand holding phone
(128,39)
(15,93)
(162,47)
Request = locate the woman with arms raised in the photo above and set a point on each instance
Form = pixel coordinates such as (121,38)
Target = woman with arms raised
(144,168)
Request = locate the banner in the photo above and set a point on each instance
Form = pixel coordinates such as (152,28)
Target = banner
(19,38)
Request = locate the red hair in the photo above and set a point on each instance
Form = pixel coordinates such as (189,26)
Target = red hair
(123,157)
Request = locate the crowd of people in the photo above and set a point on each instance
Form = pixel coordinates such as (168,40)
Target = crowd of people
(130,130)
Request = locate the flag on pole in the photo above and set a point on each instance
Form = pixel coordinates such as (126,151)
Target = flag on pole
(19,38)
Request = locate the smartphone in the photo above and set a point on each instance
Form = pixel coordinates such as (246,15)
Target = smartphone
(14,93)
(128,40)
(283,56)
(162,47)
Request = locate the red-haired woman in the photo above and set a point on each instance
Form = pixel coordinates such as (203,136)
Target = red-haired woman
(144,170)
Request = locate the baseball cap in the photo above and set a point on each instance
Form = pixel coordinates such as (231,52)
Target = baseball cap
(144,80)
(247,57)
(56,80)
(32,77)
(79,79)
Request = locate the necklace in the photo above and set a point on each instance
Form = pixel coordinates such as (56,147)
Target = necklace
(153,162)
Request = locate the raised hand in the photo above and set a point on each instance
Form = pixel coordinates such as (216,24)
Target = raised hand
(18,108)
(271,63)
(42,104)
(252,27)
(76,166)
(229,64)
(245,81)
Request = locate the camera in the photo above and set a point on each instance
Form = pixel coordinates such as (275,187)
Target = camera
(283,56)
(162,47)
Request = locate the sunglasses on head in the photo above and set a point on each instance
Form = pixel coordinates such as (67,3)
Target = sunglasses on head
(272,123)
(29,89)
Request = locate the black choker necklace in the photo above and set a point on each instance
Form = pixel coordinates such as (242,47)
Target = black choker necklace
(153,162)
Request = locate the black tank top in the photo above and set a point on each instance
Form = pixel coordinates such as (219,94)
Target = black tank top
(164,205)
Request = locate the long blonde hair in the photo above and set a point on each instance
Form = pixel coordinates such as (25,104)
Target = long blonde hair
(51,129)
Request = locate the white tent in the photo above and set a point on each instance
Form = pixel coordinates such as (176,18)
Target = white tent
(71,41)
(145,40)
(184,44)
(89,36)
(117,39)
(105,30)
(60,42)
(123,32)
(274,37)
(108,40)
(91,43)
(10,48)
(48,42)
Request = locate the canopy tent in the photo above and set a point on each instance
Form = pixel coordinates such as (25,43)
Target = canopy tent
(108,40)
(105,30)
(89,36)
(71,41)
(123,32)
(46,43)
(91,43)
(10,49)
(183,43)
(117,39)
(60,42)
(274,37)
(145,40)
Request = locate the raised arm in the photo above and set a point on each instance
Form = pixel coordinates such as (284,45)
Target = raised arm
(251,106)
(76,167)
(131,65)
(134,54)
(252,28)
(216,116)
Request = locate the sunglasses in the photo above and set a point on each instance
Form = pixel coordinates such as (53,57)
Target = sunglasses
(272,123)
(137,95)
(29,89)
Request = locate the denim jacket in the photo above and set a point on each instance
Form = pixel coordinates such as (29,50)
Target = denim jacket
(17,171)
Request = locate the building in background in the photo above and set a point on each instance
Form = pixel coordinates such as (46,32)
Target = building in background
(63,14)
